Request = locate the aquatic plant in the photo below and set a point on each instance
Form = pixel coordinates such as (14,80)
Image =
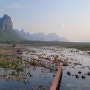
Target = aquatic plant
(56,60)
(77,76)
(65,63)
(9,62)
(69,73)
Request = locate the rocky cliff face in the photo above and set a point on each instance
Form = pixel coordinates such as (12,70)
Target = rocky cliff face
(7,32)
(6,27)
(6,23)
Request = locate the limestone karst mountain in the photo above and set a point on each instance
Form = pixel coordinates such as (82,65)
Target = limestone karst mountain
(6,30)
(7,33)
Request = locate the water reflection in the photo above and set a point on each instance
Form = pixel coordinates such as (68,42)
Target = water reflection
(32,78)
(40,78)
(79,78)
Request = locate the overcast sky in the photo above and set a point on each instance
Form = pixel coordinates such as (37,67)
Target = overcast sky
(66,18)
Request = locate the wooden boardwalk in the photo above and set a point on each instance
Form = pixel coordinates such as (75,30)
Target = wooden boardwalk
(56,82)
(48,64)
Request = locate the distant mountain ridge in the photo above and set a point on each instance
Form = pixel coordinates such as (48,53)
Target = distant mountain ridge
(7,31)
(41,36)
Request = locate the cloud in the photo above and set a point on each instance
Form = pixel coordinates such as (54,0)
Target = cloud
(15,5)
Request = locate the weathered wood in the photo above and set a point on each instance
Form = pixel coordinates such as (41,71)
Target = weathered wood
(57,78)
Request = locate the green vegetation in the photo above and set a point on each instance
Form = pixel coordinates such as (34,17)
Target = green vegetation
(8,36)
(4,36)
(77,45)
(9,62)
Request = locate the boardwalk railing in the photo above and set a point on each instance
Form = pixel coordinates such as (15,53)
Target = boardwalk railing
(56,82)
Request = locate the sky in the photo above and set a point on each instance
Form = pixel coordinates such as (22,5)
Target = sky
(66,18)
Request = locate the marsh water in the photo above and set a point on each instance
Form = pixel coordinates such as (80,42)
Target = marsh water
(71,82)
(78,66)
(41,78)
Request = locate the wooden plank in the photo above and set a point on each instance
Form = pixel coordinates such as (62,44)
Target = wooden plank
(57,78)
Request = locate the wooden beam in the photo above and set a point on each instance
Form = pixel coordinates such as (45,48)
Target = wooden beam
(57,78)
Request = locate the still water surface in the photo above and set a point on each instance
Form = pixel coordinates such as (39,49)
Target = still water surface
(41,79)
